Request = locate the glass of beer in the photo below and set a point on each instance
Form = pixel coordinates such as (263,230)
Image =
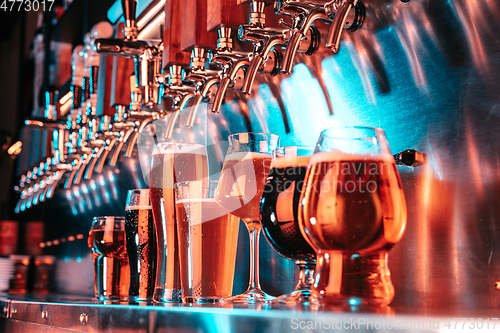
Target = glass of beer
(278,209)
(352,211)
(111,265)
(172,162)
(241,184)
(141,244)
(208,236)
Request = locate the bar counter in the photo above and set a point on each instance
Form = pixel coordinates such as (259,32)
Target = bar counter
(51,313)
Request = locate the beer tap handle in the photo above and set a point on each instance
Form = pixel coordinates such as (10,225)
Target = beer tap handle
(197,100)
(333,41)
(124,136)
(298,35)
(236,70)
(82,167)
(171,123)
(96,155)
(38,191)
(55,181)
(129,9)
(48,182)
(258,60)
(28,201)
(135,135)
(108,147)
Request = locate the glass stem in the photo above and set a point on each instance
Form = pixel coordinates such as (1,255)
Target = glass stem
(306,274)
(254,282)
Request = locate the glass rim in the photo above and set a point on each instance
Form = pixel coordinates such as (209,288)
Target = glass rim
(138,190)
(104,217)
(377,132)
(272,136)
(207,181)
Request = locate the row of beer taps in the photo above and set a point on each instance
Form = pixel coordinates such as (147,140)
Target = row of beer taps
(83,141)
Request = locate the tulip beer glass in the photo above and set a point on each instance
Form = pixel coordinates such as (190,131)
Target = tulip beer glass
(352,211)
(240,188)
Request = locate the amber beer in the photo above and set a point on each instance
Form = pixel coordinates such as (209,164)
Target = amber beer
(356,202)
(242,182)
(207,241)
(141,250)
(171,162)
(111,265)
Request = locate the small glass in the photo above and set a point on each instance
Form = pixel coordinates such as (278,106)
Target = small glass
(208,237)
(111,265)
(141,245)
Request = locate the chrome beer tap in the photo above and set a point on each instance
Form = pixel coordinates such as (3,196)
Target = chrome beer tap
(302,36)
(204,79)
(265,56)
(346,14)
(147,57)
(233,66)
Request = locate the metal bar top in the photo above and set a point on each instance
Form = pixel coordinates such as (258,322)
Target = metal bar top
(85,315)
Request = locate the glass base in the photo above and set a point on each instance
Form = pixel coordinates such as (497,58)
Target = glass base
(297,298)
(251,296)
(202,300)
(162,295)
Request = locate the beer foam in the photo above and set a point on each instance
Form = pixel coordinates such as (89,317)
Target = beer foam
(337,155)
(173,147)
(137,207)
(290,161)
(241,156)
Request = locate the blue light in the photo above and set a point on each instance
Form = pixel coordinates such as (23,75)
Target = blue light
(78,259)
(354,301)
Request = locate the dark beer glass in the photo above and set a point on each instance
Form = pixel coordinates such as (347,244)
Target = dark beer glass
(352,211)
(141,244)
(242,180)
(280,225)
(172,162)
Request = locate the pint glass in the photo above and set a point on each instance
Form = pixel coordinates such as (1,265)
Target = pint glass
(171,162)
(208,236)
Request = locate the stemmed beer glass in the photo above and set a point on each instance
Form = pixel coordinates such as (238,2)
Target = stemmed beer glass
(240,188)
(352,212)
(280,225)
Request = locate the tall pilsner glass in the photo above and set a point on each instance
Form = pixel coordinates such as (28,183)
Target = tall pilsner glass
(352,212)
(172,162)
(242,180)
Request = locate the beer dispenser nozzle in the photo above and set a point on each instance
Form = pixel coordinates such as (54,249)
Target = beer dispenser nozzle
(301,36)
(233,66)
(264,41)
(346,14)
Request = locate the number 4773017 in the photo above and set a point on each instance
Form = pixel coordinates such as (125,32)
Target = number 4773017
(471,323)
(26,5)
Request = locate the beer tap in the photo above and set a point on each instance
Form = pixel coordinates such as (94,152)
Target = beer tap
(147,58)
(180,91)
(265,56)
(204,79)
(232,64)
(346,14)
(303,14)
